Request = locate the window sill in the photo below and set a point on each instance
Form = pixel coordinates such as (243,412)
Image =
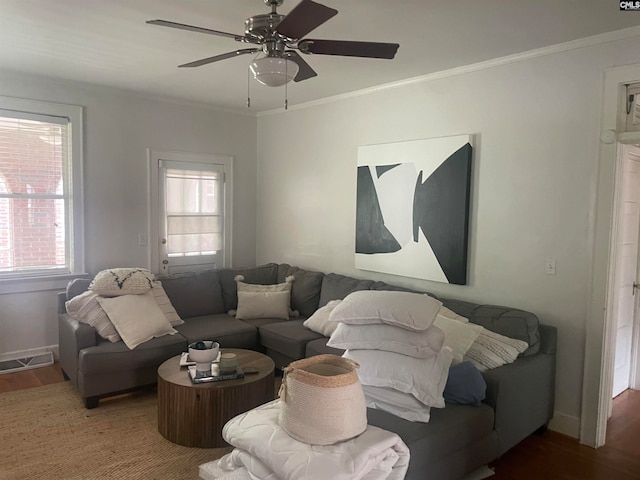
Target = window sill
(37,284)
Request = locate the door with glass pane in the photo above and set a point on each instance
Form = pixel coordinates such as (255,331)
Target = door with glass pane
(191,215)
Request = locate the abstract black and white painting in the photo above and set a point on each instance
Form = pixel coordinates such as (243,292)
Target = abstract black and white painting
(412,211)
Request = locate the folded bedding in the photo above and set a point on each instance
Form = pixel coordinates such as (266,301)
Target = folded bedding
(265,451)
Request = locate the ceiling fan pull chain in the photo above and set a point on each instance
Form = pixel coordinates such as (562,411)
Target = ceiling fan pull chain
(248,88)
(286,90)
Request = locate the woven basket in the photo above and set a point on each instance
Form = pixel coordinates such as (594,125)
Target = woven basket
(322,400)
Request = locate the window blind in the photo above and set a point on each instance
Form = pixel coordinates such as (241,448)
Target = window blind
(34,158)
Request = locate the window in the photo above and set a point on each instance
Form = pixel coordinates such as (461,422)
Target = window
(40,189)
(633,108)
(191,222)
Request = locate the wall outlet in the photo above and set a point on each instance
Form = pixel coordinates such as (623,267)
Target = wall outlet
(142,239)
(550,266)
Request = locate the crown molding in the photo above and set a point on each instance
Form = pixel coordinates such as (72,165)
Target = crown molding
(600,39)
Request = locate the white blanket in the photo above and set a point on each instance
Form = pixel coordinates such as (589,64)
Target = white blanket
(267,452)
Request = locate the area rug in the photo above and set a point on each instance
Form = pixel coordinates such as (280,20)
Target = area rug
(47,434)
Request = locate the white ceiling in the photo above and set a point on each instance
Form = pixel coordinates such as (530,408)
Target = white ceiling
(107,42)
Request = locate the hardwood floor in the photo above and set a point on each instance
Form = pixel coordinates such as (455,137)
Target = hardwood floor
(556,456)
(35,377)
(541,456)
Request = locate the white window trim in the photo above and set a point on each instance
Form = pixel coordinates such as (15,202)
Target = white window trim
(153,232)
(50,281)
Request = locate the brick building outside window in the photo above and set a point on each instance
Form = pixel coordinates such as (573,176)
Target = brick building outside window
(40,205)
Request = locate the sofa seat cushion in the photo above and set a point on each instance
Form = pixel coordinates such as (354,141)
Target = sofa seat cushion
(449,429)
(108,357)
(319,347)
(229,332)
(289,338)
(259,322)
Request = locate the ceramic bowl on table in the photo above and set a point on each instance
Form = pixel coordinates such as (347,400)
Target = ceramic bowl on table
(203,356)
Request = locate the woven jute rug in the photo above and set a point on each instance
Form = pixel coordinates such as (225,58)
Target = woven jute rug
(46,433)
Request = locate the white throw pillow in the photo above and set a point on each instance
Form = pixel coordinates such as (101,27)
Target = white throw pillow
(400,404)
(422,344)
(161,298)
(451,315)
(137,318)
(458,336)
(492,350)
(424,378)
(319,321)
(114,282)
(86,309)
(263,301)
(413,311)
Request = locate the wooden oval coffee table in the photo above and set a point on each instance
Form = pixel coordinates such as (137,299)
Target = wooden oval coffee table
(193,414)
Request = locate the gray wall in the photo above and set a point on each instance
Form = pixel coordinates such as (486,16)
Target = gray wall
(536,127)
(119,127)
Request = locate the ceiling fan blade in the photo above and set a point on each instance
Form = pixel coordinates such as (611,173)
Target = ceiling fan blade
(182,26)
(304,69)
(306,16)
(348,48)
(217,58)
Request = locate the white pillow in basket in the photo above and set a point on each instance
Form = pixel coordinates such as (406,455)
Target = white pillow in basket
(137,318)
(263,301)
(413,311)
(114,282)
(319,321)
(86,309)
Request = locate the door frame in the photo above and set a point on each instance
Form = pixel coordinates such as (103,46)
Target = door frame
(153,188)
(611,323)
(599,349)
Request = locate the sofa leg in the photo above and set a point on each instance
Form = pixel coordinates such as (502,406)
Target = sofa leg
(543,429)
(91,402)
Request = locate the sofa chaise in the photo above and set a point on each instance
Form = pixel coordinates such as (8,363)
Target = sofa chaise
(458,438)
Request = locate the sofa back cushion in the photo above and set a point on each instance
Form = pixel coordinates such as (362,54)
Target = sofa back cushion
(394,288)
(510,322)
(261,275)
(194,293)
(337,287)
(77,286)
(305,294)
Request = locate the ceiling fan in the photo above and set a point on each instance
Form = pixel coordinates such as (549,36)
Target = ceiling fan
(279,36)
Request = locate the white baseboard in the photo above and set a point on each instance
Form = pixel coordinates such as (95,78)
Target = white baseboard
(31,353)
(565,424)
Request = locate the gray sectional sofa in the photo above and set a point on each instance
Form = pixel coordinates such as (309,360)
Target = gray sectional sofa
(457,440)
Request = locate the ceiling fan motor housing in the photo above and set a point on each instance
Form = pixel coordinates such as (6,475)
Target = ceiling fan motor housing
(262,27)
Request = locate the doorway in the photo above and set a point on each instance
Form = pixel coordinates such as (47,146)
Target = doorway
(599,359)
(624,269)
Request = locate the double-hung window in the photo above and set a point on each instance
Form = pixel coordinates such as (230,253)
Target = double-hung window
(40,189)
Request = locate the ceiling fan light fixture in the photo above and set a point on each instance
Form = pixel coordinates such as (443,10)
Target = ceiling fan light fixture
(273,71)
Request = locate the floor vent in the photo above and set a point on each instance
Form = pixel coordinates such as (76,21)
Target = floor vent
(17,364)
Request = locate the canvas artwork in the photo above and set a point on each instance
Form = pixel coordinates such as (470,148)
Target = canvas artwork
(412,211)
